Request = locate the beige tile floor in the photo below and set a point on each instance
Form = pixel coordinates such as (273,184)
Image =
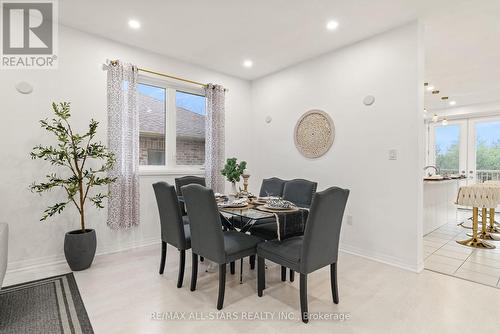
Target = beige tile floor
(444,255)
(122,290)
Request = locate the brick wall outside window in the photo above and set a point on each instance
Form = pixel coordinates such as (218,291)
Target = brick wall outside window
(189,151)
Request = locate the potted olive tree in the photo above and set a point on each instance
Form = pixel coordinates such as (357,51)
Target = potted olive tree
(83,163)
(233,171)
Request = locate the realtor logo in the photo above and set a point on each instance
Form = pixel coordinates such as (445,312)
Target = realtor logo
(28,34)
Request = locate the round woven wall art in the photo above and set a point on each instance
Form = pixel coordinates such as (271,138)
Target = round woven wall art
(314,133)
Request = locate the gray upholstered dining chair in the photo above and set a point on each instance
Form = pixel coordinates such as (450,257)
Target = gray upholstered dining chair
(317,248)
(272,187)
(301,193)
(269,187)
(184,181)
(208,239)
(298,191)
(174,227)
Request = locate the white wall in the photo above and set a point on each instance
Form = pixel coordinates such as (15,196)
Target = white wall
(81,80)
(386,196)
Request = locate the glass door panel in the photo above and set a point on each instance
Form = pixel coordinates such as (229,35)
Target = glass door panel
(484,155)
(448,147)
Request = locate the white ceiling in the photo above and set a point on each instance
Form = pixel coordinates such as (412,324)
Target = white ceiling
(463,53)
(462,43)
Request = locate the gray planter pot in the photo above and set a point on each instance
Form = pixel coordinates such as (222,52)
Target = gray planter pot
(79,248)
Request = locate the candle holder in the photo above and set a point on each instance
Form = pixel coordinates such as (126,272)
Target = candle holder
(245,182)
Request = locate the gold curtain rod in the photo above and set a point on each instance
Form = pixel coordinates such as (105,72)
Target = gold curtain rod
(173,77)
(114,62)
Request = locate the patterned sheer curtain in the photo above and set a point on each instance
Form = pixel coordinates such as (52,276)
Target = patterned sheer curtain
(123,140)
(214,141)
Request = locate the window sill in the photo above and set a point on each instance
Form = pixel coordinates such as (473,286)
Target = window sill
(170,171)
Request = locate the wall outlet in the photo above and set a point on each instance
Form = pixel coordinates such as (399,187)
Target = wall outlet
(349,220)
(393,154)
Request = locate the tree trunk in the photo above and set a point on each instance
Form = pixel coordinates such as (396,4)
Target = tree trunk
(82,211)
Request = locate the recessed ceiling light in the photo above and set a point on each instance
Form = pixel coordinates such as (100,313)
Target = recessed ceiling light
(430,88)
(248,63)
(134,24)
(452,103)
(332,25)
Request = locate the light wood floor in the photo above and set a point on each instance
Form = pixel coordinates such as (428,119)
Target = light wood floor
(121,291)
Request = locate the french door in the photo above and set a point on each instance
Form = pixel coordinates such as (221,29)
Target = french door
(484,149)
(469,147)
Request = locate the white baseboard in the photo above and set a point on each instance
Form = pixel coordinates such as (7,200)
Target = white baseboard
(44,261)
(58,259)
(382,258)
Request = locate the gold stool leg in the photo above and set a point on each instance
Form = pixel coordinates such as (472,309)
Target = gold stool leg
(492,228)
(485,235)
(474,241)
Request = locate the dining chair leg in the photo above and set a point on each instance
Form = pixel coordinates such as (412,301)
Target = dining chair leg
(241,271)
(222,285)
(252,262)
(292,275)
(182,264)
(334,283)
(232,268)
(283,273)
(261,275)
(194,272)
(202,259)
(303,298)
(163,256)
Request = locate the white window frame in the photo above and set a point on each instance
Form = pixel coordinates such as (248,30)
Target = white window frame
(170,166)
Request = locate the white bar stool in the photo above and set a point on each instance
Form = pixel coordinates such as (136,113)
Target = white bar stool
(493,224)
(477,196)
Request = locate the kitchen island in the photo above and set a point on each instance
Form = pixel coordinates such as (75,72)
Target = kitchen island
(439,203)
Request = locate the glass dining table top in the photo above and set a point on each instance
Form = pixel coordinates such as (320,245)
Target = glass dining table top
(249,213)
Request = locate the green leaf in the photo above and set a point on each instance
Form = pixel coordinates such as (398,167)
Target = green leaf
(232,170)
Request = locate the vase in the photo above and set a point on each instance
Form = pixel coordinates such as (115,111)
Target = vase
(79,248)
(234,190)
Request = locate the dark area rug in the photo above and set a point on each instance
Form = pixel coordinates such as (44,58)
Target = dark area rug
(49,305)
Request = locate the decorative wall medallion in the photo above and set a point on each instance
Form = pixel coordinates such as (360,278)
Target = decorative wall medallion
(314,133)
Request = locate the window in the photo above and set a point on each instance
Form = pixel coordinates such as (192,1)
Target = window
(447,141)
(152,124)
(171,124)
(190,128)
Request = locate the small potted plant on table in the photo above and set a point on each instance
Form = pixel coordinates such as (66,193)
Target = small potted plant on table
(73,153)
(233,171)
